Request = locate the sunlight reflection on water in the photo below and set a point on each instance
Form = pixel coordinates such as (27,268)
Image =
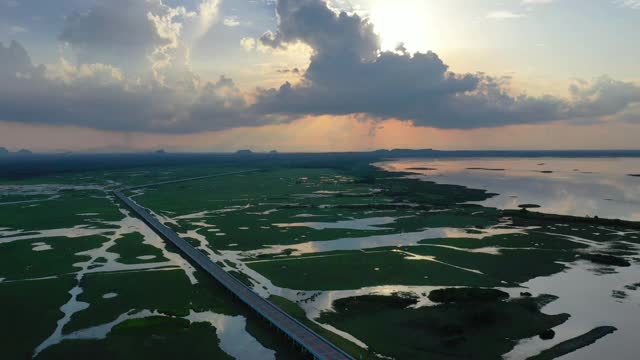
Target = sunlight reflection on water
(572,186)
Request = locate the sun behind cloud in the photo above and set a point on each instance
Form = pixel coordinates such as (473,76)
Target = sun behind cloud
(404,22)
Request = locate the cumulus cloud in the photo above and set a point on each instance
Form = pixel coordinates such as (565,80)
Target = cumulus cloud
(349,74)
(328,33)
(132,73)
(137,35)
(100,96)
(248,43)
(116,32)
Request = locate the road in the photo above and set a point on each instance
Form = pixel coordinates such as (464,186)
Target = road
(187,179)
(315,344)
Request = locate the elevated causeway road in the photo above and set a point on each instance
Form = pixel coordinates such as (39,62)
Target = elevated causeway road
(187,179)
(305,337)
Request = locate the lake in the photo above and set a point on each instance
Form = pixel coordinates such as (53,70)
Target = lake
(600,187)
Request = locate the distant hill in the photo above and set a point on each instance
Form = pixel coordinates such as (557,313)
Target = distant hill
(3,151)
(24,152)
(244,152)
(405,152)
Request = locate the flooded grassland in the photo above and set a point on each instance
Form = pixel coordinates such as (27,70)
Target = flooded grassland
(335,248)
(80,277)
(385,264)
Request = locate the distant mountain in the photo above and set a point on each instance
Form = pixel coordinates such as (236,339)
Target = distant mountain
(273,152)
(244,152)
(3,151)
(160,152)
(24,152)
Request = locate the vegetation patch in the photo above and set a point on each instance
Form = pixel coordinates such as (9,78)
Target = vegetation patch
(484,330)
(133,250)
(18,260)
(466,295)
(62,212)
(167,291)
(605,259)
(373,267)
(29,311)
(157,337)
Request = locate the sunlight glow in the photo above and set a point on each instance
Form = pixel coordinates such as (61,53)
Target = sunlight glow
(403,21)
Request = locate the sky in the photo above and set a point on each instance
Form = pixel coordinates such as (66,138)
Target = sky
(319,75)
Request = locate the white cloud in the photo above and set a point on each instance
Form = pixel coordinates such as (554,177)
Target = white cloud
(98,73)
(632,4)
(207,15)
(348,74)
(141,36)
(231,21)
(102,96)
(503,14)
(248,43)
(536,2)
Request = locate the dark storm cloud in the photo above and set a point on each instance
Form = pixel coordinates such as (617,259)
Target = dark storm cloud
(97,96)
(348,74)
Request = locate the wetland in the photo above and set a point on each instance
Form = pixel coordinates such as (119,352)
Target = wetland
(404,259)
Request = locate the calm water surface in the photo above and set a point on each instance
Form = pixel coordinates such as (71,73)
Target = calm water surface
(572,186)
